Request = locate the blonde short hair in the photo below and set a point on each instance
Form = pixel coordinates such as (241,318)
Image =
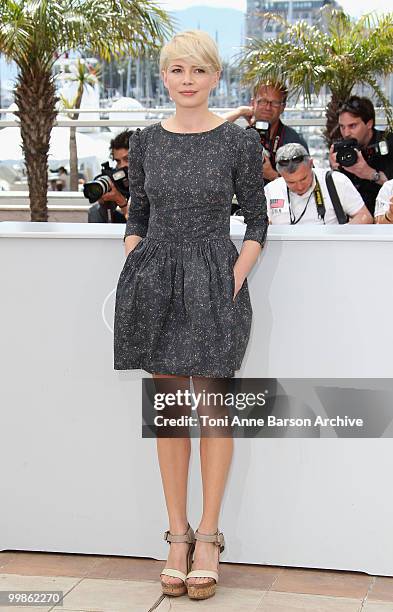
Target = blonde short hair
(192,45)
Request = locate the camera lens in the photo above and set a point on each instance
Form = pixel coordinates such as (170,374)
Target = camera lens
(94,190)
(347,157)
(346,150)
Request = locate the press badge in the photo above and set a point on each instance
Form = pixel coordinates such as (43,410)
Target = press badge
(276,206)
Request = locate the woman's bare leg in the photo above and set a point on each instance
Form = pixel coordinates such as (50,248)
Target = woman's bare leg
(216,456)
(174,458)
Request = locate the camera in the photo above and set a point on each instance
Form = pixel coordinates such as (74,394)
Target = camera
(94,190)
(263,129)
(346,150)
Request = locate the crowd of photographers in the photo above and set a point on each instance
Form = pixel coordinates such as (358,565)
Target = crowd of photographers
(357,189)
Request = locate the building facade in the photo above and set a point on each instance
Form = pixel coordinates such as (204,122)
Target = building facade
(292,10)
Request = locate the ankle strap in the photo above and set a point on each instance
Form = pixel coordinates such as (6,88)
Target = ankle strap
(188,537)
(215,538)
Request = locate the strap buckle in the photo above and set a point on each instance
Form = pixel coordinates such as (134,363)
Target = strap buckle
(220,541)
(187,537)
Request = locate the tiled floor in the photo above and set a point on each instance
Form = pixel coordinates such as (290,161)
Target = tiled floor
(116,584)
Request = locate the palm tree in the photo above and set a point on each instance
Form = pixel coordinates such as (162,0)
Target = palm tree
(33,33)
(338,55)
(84,76)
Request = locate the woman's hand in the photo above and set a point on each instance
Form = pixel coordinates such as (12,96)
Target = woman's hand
(131,242)
(238,284)
(245,262)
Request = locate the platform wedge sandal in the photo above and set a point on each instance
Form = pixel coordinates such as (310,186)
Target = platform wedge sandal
(208,588)
(177,589)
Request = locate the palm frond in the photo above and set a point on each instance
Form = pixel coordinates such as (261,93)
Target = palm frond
(382,99)
(39,29)
(337,55)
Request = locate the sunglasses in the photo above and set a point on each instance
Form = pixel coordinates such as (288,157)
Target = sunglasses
(295,160)
(348,106)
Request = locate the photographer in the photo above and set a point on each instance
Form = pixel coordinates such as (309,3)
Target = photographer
(310,195)
(368,159)
(106,209)
(384,204)
(267,105)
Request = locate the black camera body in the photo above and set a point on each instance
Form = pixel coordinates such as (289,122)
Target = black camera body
(347,151)
(94,190)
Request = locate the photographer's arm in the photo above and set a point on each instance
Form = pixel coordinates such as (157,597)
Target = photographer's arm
(351,200)
(241,111)
(269,173)
(114,196)
(125,207)
(332,159)
(363,216)
(385,217)
(363,171)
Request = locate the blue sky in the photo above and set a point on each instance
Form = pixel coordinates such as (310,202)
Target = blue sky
(353,7)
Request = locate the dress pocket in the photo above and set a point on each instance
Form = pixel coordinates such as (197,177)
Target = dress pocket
(242,291)
(134,251)
(235,299)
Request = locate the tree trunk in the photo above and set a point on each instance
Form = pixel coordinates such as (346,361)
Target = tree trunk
(73,160)
(332,130)
(73,147)
(35,96)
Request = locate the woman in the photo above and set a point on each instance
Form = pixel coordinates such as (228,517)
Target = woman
(182,303)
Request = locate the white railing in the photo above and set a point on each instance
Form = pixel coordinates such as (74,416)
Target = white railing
(158,112)
(71,201)
(57,200)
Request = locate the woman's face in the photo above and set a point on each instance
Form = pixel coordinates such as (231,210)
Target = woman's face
(189,85)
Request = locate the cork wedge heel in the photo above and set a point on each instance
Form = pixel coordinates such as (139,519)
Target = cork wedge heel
(178,588)
(207,588)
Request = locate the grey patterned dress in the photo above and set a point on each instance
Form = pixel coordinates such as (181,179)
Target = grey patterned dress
(174,310)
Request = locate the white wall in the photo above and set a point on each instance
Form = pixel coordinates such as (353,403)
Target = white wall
(76,475)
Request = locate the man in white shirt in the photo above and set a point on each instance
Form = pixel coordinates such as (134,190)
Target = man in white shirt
(301,194)
(384,204)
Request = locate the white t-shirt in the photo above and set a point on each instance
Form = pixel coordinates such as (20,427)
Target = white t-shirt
(382,202)
(278,206)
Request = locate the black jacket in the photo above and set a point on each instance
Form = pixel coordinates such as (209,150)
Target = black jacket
(102,213)
(384,163)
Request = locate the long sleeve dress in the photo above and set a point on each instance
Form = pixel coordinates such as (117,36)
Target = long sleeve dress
(174,311)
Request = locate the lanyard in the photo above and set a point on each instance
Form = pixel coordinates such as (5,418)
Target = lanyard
(321,210)
(277,142)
